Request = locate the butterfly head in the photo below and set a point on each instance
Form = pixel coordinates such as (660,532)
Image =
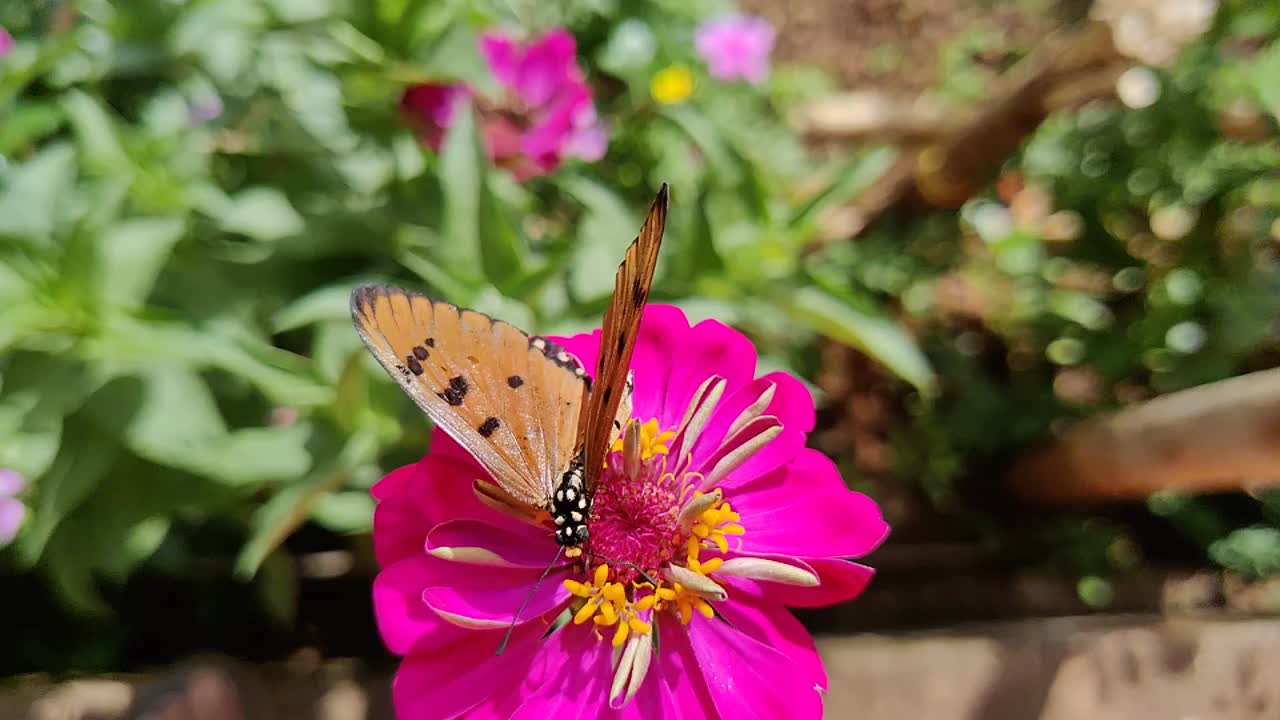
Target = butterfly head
(570,506)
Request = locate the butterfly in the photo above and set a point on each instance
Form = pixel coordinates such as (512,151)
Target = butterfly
(521,405)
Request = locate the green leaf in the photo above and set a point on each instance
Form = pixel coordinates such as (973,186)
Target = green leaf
(71,575)
(275,519)
(506,258)
(1263,73)
(349,512)
(95,132)
(176,422)
(721,160)
(128,343)
(72,478)
(28,122)
(849,183)
(879,337)
(462,166)
(331,302)
(277,585)
(132,254)
(30,199)
(262,213)
(38,392)
(606,228)
(1252,551)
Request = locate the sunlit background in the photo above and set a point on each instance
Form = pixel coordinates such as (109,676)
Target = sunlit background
(977,230)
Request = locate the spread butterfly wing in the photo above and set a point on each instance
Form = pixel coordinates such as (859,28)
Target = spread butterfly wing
(509,400)
(618,338)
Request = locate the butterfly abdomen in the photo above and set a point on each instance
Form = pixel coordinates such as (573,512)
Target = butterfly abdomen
(570,506)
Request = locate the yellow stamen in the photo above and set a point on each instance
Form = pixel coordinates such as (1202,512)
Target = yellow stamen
(620,636)
(652,442)
(586,611)
(608,613)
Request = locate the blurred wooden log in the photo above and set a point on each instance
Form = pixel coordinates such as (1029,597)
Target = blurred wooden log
(1071,66)
(874,116)
(1217,437)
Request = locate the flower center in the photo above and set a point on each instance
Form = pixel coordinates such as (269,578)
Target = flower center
(634,522)
(660,528)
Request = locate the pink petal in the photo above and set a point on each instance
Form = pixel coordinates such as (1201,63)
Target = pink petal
(444,490)
(494,595)
(664,332)
(12,512)
(572,676)
(11,481)
(792,405)
(805,510)
(465,676)
(520,545)
(839,581)
(748,678)
(544,141)
(399,524)
(589,140)
(407,594)
(680,681)
(547,68)
(779,629)
(664,329)
(502,139)
(503,57)
(568,680)
(403,618)
(398,531)
(712,348)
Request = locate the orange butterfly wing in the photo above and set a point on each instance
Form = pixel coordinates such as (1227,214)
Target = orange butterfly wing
(618,338)
(511,401)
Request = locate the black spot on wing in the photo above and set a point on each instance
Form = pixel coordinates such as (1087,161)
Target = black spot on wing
(414,366)
(515,381)
(420,352)
(430,342)
(489,426)
(456,391)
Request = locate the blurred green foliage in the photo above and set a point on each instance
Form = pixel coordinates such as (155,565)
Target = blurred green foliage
(188,191)
(1130,249)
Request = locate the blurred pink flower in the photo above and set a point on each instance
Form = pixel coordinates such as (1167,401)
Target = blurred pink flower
(546,114)
(736,47)
(432,106)
(6,41)
(719,502)
(12,511)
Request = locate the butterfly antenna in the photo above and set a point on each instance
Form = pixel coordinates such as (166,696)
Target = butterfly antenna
(511,628)
(623,563)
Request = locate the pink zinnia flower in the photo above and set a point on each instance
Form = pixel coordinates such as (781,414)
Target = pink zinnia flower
(546,114)
(6,42)
(12,511)
(736,47)
(715,497)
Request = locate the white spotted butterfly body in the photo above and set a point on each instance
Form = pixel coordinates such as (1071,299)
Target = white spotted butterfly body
(522,406)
